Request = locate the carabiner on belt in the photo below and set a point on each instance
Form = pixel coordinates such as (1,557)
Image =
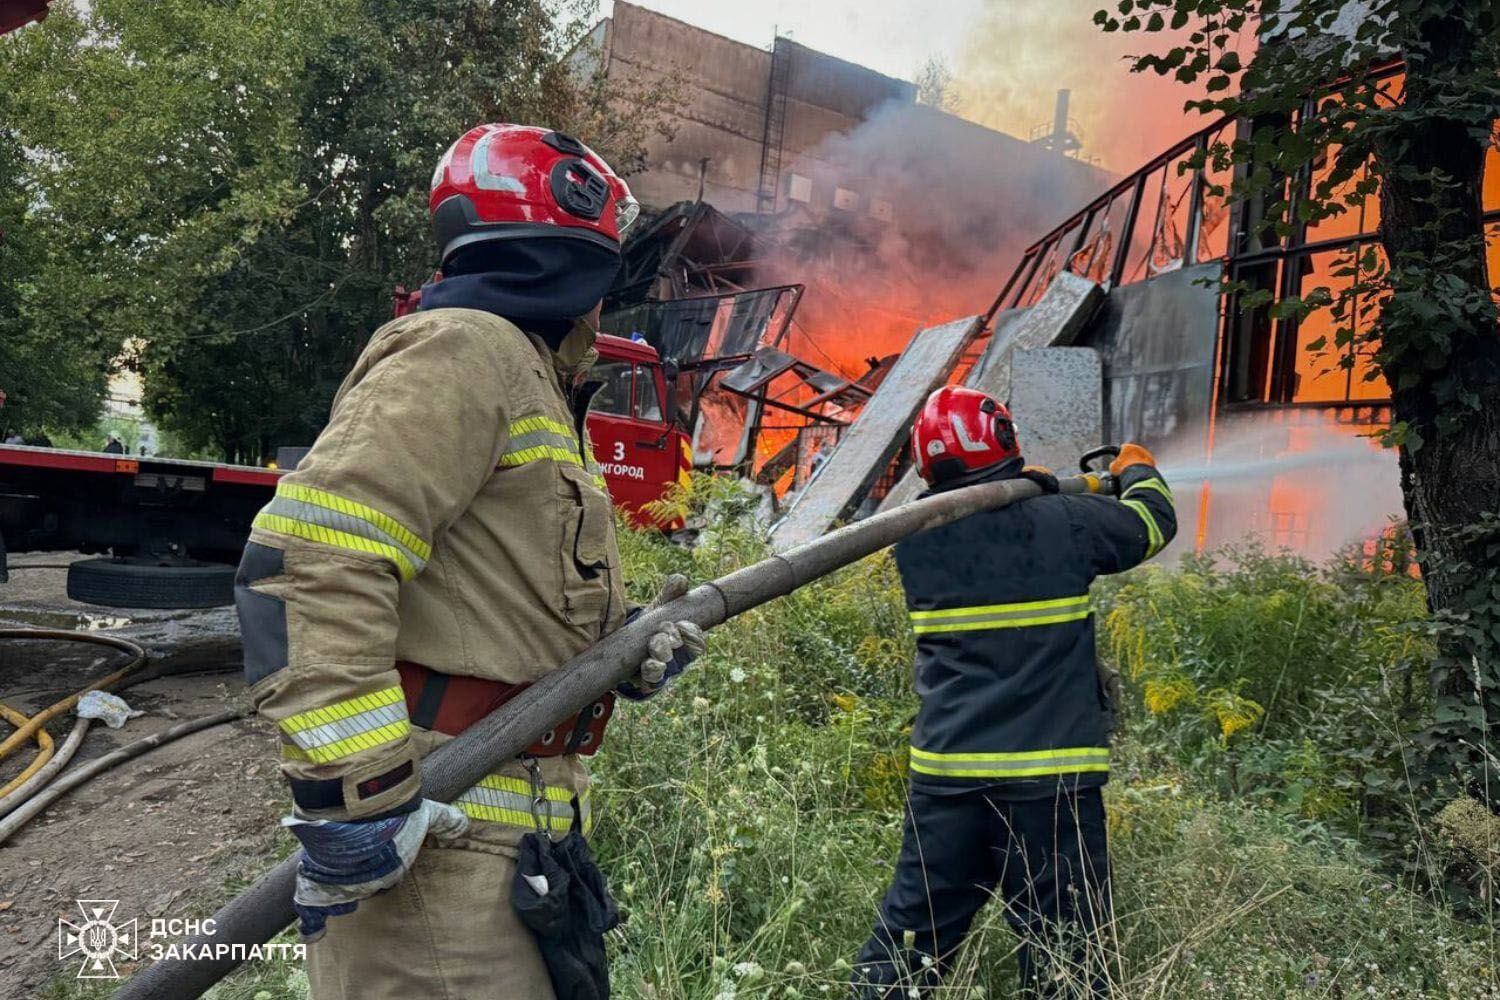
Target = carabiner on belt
(538,795)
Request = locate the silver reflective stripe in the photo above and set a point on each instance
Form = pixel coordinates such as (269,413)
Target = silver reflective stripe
(348,728)
(537,439)
(499,799)
(325,517)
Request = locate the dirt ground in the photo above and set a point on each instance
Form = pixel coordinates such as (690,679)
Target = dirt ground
(163,833)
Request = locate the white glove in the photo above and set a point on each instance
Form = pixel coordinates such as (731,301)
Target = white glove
(670,649)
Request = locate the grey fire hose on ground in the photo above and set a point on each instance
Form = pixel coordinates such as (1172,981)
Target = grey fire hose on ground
(263,910)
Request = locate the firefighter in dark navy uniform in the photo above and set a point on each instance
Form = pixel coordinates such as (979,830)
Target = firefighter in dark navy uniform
(1010,748)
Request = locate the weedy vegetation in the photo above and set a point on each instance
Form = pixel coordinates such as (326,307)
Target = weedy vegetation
(1265,841)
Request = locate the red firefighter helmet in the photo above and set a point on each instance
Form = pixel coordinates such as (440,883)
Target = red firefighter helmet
(500,182)
(961,432)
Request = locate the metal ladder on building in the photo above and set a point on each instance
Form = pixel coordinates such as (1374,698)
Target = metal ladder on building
(775,131)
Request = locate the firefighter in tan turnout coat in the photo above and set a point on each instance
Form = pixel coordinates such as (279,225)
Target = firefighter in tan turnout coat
(447,541)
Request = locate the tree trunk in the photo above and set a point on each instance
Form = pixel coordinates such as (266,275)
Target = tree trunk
(1447,392)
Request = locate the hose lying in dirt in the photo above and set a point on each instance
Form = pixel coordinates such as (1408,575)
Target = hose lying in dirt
(30,786)
(261,911)
(25,731)
(43,749)
(79,775)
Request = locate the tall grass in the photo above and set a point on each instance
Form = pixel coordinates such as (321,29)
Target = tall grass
(749,816)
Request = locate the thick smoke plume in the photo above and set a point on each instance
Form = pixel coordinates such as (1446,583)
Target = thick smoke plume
(1020,52)
(938,213)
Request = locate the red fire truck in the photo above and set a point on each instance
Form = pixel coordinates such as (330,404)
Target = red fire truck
(169,532)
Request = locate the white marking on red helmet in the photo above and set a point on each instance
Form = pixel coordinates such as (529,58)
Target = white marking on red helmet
(479,162)
(962,433)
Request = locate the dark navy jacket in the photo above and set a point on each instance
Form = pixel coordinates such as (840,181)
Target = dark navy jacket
(1006,666)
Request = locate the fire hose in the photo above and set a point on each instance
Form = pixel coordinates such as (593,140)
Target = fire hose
(263,910)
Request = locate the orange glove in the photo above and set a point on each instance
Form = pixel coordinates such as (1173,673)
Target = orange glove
(1130,454)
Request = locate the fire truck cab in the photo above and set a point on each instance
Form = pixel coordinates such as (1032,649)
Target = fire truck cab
(640,448)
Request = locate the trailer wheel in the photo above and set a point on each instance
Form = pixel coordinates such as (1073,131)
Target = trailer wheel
(116,584)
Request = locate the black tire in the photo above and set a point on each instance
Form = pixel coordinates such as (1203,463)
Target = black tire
(116,584)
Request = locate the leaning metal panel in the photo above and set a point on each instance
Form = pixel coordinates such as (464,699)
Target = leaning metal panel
(1055,321)
(868,446)
(1057,400)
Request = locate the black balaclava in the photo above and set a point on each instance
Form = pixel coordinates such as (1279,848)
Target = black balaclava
(1008,469)
(543,284)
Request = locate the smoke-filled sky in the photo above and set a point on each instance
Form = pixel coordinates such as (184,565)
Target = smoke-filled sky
(1008,58)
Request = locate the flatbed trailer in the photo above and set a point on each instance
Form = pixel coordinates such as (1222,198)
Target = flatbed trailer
(168,532)
(173,528)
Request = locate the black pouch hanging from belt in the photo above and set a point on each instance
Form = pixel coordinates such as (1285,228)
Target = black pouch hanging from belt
(559,892)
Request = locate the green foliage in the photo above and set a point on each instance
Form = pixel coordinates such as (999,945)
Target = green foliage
(748,816)
(1266,678)
(751,813)
(233,190)
(52,363)
(1323,128)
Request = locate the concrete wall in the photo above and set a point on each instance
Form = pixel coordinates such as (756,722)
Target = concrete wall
(724,116)
(724,119)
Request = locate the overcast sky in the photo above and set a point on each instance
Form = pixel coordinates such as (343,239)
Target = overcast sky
(892,36)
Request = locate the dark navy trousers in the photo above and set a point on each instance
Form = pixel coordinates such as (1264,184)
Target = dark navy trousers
(1047,861)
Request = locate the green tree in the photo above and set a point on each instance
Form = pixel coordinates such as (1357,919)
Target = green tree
(1312,94)
(264,169)
(51,370)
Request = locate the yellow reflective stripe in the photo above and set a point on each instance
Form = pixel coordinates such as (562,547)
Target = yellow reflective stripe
(353,744)
(338,539)
(502,799)
(539,423)
(600,482)
(1022,614)
(1023,772)
(342,709)
(384,522)
(1152,484)
(1014,755)
(1153,533)
(542,451)
(1018,764)
(990,609)
(1069,616)
(522,786)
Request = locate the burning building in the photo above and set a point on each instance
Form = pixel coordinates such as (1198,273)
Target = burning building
(791,169)
(1262,434)
(1271,435)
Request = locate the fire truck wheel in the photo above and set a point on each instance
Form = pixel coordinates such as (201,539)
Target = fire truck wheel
(116,584)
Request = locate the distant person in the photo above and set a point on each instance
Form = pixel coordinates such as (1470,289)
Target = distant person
(1010,748)
(113,446)
(39,440)
(14,437)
